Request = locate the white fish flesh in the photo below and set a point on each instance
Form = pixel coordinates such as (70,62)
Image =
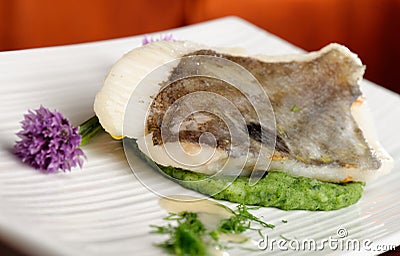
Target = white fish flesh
(321,127)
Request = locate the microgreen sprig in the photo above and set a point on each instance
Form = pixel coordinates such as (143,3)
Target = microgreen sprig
(189,236)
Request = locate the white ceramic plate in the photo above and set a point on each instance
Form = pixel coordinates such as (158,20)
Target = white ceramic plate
(103,209)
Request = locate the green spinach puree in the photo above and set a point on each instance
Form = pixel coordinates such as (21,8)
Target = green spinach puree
(276,189)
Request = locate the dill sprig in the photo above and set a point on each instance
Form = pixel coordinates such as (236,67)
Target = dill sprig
(241,221)
(186,238)
(190,237)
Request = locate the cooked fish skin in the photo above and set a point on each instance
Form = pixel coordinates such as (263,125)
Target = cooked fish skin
(317,103)
(321,130)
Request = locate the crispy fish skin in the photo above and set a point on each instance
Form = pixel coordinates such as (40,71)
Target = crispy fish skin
(317,103)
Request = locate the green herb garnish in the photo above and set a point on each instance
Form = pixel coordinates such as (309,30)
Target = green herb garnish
(295,109)
(187,238)
(241,221)
(190,237)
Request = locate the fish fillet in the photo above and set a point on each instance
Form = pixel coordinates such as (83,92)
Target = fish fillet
(320,126)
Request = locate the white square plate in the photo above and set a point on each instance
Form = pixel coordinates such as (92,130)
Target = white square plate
(103,209)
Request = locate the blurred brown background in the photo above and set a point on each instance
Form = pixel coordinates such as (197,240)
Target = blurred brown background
(370,28)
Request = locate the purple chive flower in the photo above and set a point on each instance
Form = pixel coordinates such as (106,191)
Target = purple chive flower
(148,40)
(48,141)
